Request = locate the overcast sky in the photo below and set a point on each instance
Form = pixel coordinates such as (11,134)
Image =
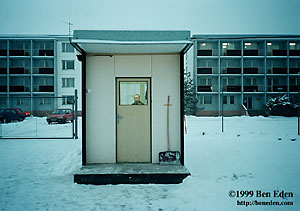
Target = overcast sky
(199,16)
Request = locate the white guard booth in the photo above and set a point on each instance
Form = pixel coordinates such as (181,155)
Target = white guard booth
(127,77)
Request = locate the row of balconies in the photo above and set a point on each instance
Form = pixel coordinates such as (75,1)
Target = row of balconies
(22,70)
(249,52)
(252,88)
(228,88)
(16,88)
(248,70)
(22,52)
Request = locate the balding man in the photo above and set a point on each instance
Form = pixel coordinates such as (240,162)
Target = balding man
(137,100)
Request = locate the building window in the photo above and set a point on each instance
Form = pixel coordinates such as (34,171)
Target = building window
(205,81)
(207,99)
(45,101)
(224,99)
(68,82)
(68,64)
(67,47)
(67,100)
(231,100)
(20,101)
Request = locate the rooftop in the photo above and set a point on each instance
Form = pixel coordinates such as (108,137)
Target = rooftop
(103,41)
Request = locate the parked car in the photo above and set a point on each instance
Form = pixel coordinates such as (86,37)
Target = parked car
(20,111)
(60,116)
(10,114)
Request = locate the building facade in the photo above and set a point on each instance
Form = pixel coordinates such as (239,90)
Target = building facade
(233,73)
(36,68)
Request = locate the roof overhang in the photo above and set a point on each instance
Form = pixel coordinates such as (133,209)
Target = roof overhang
(147,45)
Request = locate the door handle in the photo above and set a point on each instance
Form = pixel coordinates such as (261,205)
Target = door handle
(118,118)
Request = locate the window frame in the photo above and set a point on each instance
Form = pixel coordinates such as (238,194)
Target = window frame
(65,64)
(232,102)
(146,93)
(65,82)
(65,100)
(204,102)
(225,100)
(64,47)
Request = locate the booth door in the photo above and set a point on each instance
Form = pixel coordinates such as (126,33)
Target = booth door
(133,120)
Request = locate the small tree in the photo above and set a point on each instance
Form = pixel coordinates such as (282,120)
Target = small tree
(190,95)
(282,106)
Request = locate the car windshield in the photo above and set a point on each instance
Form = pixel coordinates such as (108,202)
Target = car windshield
(58,112)
(20,110)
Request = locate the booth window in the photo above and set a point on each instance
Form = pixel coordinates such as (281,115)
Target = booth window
(133,93)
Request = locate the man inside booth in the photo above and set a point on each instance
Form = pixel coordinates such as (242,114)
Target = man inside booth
(137,100)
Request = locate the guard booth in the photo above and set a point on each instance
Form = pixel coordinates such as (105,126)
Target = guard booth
(127,77)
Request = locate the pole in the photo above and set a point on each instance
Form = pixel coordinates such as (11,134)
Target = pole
(222,108)
(76,114)
(73,117)
(168,130)
(298,107)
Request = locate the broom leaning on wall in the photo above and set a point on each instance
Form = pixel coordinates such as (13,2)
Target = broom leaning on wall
(169,157)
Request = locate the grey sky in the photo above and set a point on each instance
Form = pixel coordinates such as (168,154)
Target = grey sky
(199,16)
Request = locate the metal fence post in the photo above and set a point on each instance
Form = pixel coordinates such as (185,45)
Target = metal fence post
(76,115)
(73,117)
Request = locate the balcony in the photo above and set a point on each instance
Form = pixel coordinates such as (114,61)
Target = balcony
(232,88)
(46,52)
(233,70)
(204,88)
(18,52)
(204,70)
(19,88)
(3,70)
(251,88)
(43,88)
(294,52)
(251,52)
(278,88)
(3,88)
(18,70)
(204,53)
(279,70)
(3,52)
(294,88)
(250,70)
(294,70)
(279,52)
(232,53)
(46,70)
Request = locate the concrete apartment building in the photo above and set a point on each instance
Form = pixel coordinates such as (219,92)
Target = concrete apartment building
(229,71)
(235,70)
(38,66)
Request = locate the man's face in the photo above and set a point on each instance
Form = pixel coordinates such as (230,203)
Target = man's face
(136,98)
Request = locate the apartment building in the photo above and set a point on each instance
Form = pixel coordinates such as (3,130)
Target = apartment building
(233,72)
(36,68)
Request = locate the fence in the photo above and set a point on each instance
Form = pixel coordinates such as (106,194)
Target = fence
(39,117)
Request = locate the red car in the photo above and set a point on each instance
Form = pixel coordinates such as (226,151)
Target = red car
(60,116)
(20,111)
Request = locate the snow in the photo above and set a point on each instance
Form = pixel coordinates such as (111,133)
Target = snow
(35,127)
(253,153)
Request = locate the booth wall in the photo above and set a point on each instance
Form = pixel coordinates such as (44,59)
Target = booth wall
(164,70)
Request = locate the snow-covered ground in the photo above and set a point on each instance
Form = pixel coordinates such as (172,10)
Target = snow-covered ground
(253,153)
(35,127)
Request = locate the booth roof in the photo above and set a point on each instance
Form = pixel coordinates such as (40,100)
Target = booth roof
(132,41)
